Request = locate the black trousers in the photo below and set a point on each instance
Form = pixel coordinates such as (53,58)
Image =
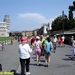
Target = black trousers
(24,63)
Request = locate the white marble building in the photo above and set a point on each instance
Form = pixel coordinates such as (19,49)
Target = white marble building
(5,26)
(46,27)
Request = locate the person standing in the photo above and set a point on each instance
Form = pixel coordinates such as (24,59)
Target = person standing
(24,51)
(3,46)
(11,39)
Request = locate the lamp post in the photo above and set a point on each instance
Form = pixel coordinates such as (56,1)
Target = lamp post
(63,18)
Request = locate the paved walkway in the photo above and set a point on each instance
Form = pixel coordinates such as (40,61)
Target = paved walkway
(10,57)
(60,62)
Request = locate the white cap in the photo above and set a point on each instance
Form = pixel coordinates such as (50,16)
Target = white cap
(37,37)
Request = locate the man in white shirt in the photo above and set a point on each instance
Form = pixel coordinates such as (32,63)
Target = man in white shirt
(54,43)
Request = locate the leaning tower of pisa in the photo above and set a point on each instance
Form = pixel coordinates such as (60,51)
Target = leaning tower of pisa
(7,20)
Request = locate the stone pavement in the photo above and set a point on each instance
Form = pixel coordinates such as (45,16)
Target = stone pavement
(60,64)
(9,58)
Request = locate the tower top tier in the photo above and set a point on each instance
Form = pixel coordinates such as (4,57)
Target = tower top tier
(6,19)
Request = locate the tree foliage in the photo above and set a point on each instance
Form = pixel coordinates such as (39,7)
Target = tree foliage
(71,24)
(71,9)
(58,24)
(74,3)
(68,23)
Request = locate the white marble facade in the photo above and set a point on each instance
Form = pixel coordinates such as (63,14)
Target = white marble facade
(46,27)
(4,26)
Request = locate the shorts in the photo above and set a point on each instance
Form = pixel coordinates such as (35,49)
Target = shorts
(38,51)
(47,52)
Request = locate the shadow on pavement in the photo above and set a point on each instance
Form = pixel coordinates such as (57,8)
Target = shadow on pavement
(17,74)
(38,65)
(33,57)
(67,55)
(33,64)
(42,60)
(66,59)
(14,72)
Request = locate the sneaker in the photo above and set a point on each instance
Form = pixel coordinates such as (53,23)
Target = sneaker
(54,51)
(27,73)
(46,65)
(72,58)
(37,64)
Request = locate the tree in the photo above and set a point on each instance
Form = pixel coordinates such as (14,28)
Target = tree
(71,21)
(71,24)
(57,24)
(71,9)
(74,3)
(10,34)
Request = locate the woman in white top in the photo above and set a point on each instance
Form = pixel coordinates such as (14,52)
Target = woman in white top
(24,50)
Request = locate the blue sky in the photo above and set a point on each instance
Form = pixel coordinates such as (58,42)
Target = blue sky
(31,14)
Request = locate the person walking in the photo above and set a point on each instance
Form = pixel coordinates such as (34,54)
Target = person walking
(73,49)
(54,43)
(63,38)
(60,41)
(38,49)
(47,52)
(24,51)
(43,40)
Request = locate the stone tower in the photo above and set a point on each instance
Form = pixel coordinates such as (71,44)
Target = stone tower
(7,20)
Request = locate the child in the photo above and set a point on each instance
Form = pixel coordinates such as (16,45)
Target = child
(3,46)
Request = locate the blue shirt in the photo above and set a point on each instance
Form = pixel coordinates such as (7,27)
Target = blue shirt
(47,46)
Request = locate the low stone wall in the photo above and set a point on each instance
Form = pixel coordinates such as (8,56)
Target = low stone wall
(7,42)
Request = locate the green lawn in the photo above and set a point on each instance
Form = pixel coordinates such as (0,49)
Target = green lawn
(4,38)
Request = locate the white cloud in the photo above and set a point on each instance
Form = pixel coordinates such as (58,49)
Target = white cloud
(34,18)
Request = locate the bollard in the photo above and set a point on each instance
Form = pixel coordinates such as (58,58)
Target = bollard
(0,44)
(5,42)
(8,42)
